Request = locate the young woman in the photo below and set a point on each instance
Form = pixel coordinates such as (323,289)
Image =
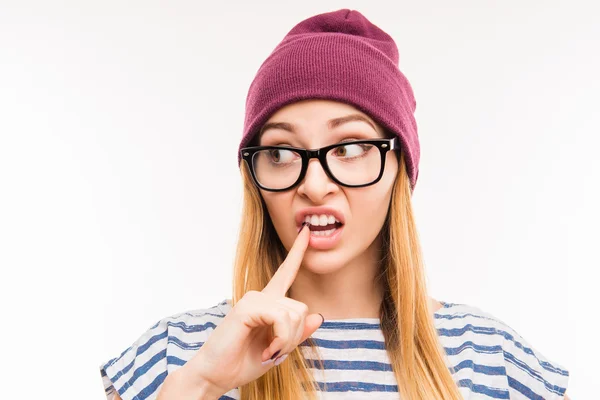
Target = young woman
(329,296)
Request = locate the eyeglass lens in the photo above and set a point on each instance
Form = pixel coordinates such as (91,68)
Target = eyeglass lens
(351,164)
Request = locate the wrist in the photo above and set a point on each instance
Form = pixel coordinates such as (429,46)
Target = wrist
(184,384)
(207,391)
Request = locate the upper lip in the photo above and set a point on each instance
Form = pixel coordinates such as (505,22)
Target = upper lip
(323,210)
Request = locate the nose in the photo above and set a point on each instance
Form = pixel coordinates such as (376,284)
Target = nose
(316,184)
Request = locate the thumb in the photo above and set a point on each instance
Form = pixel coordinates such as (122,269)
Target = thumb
(311,323)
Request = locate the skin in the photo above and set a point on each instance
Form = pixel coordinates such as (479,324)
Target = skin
(325,281)
(329,280)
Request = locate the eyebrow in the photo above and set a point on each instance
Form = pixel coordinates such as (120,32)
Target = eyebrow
(332,123)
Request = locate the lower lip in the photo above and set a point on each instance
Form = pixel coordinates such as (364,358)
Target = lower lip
(325,242)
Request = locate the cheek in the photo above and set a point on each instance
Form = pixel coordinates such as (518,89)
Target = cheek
(279,206)
(369,209)
(370,206)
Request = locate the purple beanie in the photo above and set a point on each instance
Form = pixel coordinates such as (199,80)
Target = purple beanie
(340,56)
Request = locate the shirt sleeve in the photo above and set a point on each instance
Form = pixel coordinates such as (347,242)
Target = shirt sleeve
(530,374)
(139,371)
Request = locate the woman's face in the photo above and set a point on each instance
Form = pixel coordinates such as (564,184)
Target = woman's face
(361,210)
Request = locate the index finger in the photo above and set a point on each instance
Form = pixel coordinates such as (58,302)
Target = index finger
(286,273)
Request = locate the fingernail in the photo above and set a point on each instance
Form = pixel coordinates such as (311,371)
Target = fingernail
(280,359)
(322,317)
(274,356)
(269,361)
(302,226)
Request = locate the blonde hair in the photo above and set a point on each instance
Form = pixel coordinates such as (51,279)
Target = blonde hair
(418,360)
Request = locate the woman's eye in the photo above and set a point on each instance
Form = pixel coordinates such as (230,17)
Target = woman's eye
(349,150)
(281,156)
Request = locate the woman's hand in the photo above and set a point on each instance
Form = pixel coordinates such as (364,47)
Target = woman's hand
(258,333)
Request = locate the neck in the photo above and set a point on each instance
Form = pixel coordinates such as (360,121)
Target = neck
(347,292)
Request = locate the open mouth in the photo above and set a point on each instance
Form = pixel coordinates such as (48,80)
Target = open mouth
(322,225)
(326,230)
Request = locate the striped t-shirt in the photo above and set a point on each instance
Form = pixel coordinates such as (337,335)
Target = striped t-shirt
(491,360)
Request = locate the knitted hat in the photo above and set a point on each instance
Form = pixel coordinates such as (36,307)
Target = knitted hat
(340,56)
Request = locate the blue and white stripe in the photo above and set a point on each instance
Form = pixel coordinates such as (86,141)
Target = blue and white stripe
(491,360)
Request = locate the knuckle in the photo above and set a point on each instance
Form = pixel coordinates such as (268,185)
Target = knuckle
(247,301)
(250,296)
(252,293)
(295,318)
(300,306)
(282,314)
(303,309)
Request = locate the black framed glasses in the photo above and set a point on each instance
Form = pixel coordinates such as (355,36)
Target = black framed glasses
(355,163)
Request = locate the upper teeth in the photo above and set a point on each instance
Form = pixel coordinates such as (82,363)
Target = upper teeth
(321,220)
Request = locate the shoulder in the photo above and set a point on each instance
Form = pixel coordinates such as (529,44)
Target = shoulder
(488,355)
(140,369)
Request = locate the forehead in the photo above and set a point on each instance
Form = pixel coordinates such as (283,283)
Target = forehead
(317,114)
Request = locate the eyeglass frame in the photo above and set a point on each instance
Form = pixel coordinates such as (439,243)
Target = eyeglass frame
(384,145)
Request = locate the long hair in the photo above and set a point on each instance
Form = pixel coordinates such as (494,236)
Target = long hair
(411,341)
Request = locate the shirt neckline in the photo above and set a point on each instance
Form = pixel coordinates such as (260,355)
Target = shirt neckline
(441,311)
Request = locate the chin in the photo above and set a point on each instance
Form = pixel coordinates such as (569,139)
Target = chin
(323,262)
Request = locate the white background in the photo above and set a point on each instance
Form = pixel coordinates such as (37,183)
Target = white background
(120,192)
